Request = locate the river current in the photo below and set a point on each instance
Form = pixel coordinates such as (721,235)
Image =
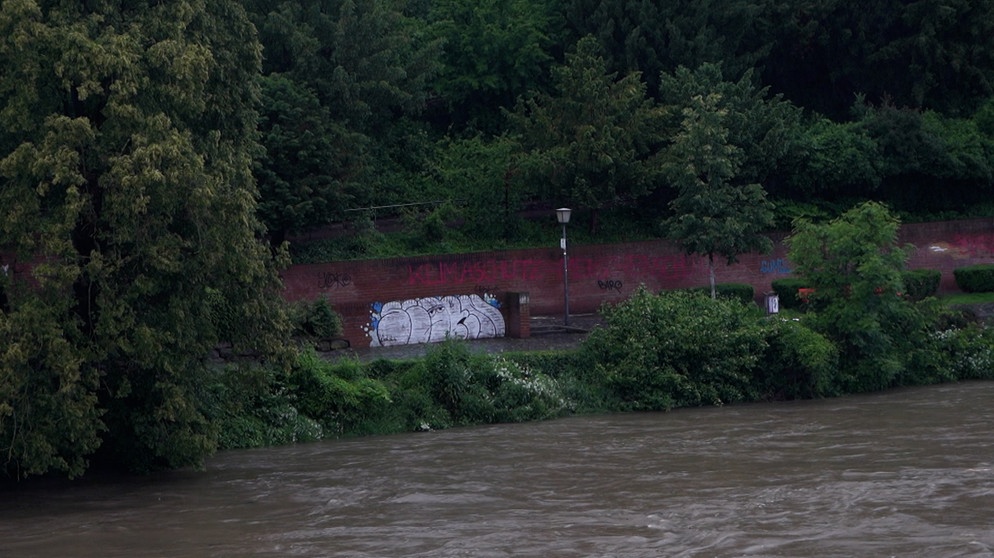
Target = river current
(907,472)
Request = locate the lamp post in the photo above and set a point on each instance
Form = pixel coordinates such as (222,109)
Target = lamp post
(562,215)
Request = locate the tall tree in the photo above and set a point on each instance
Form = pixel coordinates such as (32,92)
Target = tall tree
(593,142)
(712,214)
(368,66)
(127,197)
(933,54)
(494,51)
(764,127)
(308,169)
(655,38)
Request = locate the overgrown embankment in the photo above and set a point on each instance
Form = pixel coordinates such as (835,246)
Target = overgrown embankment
(655,352)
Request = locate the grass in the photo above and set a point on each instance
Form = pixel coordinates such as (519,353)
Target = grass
(967,298)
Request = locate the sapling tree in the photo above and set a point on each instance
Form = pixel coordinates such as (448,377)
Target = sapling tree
(712,214)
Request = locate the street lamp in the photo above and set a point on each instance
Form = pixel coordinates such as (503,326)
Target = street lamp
(562,215)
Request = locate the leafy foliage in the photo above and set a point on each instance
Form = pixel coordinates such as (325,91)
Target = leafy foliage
(975,278)
(799,364)
(315,319)
(345,80)
(493,51)
(677,349)
(920,284)
(339,396)
(475,388)
(742,292)
(854,265)
(711,215)
(922,53)
(591,144)
(306,174)
(764,129)
(654,38)
(127,194)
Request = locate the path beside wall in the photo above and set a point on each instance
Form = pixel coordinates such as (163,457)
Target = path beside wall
(412,300)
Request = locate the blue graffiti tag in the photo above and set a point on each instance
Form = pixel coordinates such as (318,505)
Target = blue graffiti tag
(779,265)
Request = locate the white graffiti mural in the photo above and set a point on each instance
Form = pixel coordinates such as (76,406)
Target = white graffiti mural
(429,320)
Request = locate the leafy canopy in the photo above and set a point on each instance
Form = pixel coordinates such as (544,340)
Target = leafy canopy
(128,206)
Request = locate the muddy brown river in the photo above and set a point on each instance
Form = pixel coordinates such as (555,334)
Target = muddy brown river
(903,473)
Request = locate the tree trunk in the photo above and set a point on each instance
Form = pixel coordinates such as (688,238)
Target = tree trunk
(714,292)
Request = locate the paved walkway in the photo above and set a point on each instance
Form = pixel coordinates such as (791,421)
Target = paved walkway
(548,333)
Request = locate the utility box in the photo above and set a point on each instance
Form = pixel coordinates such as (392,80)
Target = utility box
(518,315)
(772,303)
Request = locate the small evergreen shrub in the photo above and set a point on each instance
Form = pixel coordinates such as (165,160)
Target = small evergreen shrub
(920,284)
(975,278)
(787,290)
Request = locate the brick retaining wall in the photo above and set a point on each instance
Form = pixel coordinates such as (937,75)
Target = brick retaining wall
(597,274)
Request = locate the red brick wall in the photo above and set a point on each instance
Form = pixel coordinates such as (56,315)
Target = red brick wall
(597,274)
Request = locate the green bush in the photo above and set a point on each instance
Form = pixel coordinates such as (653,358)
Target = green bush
(677,349)
(786,289)
(920,284)
(968,353)
(251,407)
(975,278)
(799,363)
(315,320)
(338,395)
(475,388)
(742,292)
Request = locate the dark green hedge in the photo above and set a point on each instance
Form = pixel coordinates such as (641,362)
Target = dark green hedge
(786,289)
(920,284)
(975,278)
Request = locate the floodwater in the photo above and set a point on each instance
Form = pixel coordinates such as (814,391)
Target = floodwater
(903,473)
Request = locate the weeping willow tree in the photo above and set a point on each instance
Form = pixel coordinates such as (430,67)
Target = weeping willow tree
(127,227)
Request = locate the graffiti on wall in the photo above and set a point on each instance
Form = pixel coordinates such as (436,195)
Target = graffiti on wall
(610,285)
(779,265)
(964,246)
(331,280)
(432,319)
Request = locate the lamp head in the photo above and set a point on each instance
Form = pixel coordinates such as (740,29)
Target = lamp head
(562,215)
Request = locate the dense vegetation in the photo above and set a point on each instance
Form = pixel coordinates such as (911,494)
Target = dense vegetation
(154,156)
(465,113)
(859,332)
(656,351)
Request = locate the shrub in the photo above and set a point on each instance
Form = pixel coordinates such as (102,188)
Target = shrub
(315,320)
(477,388)
(677,349)
(921,283)
(742,292)
(799,363)
(251,407)
(975,278)
(338,395)
(786,289)
(968,353)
